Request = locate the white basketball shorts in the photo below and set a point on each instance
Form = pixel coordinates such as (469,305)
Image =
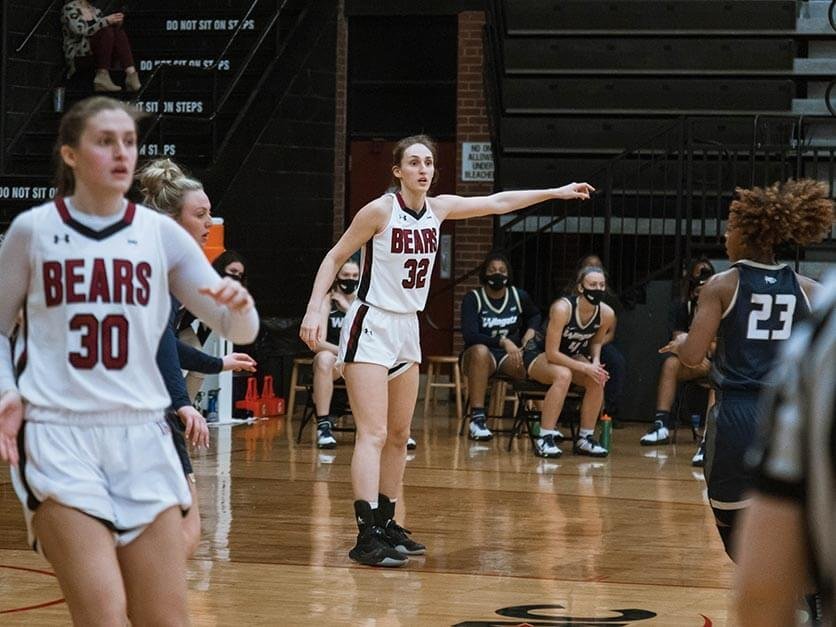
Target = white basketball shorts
(376,336)
(124,476)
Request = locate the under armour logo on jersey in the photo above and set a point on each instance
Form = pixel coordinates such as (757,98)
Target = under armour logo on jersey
(404,218)
(770,279)
(58,239)
(368,331)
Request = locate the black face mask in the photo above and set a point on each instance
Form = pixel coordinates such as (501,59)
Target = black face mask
(236,277)
(347,286)
(496,281)
(593,296)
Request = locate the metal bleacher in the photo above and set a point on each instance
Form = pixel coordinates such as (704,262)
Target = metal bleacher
(666,106)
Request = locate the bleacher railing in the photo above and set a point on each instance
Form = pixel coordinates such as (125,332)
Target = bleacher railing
(163,74)
(664,202)
(660,203)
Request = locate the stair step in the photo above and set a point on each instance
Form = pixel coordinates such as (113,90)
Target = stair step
(810,106)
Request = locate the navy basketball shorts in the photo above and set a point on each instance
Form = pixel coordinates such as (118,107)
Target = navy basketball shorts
(499,355)
(730,431)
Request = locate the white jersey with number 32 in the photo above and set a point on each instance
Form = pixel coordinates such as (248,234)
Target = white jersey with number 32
(397,263)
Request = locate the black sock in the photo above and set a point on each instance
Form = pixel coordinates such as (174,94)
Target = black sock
(664,417)
(477,412)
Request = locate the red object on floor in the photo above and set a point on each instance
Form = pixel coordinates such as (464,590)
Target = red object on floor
(251,400)
(270,404)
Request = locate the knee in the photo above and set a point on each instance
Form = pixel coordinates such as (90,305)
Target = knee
(479,355)
(670,367)
(398,436)
(324,362)
(375,436)
(561,378)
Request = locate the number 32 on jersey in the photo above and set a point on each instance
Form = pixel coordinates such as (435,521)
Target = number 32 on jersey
(416,273)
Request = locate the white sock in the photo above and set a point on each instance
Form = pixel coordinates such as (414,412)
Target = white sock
(582,433)
(548,431)
(373,504)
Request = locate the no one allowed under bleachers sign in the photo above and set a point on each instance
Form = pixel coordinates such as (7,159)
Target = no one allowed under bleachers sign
(477,162)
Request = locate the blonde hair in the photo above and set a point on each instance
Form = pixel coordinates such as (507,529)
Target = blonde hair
(164,185)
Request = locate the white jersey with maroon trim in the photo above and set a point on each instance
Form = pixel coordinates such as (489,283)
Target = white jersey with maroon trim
(97,301)
(397,263)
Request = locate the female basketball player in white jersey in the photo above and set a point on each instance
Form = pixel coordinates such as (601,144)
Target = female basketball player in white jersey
(379,345)
(81,411)
(167,189)
(751,309)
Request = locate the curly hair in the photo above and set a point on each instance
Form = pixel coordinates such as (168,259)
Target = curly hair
(794,212)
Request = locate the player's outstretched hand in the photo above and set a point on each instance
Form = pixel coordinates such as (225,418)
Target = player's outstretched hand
(195,428)
(574,191)
(11,419)
(311,329)
(238,362)
(231,294)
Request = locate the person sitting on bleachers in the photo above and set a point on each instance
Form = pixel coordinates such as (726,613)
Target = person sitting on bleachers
(497,320)
(673,371)
(90,35)
(570,352)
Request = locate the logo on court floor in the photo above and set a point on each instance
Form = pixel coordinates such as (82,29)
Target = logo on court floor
(531,616)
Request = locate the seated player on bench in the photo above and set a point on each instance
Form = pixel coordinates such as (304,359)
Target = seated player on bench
(497,320)
(570,352)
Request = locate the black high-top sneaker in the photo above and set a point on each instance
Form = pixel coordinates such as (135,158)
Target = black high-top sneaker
(373,547)
(398,536)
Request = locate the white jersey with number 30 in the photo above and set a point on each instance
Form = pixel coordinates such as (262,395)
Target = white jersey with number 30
(97,305)
(397,263)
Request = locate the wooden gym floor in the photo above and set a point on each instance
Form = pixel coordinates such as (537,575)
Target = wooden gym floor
(512,539)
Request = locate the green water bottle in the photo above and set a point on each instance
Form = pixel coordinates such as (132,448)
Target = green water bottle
(534,425)
(606,431)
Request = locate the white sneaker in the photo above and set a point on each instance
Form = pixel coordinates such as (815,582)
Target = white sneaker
(657,434)
(411,444)
(324,438)
(698,459)
(589,446)
(544,446)
(479,430)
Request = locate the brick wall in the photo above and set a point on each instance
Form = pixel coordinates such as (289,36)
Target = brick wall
(340,139)
(473,237)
